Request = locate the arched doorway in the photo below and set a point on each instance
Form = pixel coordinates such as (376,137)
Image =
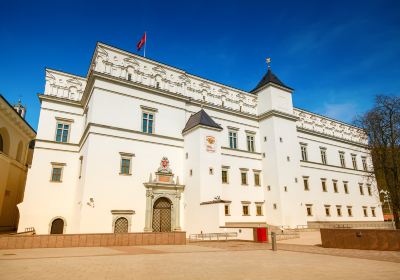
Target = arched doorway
(57,226)
(162,215)
(121,225)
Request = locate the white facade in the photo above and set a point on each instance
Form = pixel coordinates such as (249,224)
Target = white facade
(104,116)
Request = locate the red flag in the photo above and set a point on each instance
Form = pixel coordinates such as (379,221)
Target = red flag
(141,42)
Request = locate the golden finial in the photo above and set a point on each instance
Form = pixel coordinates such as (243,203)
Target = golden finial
(268,62)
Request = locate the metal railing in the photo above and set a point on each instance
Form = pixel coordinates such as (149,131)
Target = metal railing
(213,236)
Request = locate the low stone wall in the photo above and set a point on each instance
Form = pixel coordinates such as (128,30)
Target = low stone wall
(92,240)
(365,239)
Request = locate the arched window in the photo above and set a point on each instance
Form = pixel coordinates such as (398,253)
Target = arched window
(57,226)
(1,143)
(121,225)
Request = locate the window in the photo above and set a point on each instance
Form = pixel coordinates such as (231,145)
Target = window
(275,206)
(342,161)
(354,161)
(243,176)
(346,187)
(349,211)
(250,143)
(285,188)
(373,212)
(268,187)
(224,176)
(126,160)
(62,133)
(129,77)
(361,189)
(245,210)
(369,189)
(211,171)
(364,163)
(148,122)
(121,225)
(335,188)
(327,210)
(190,172)
(233,139)
(309,209)
(306,186)
(365,211)
(56,173)
(339,210)
(323,155)
(257,179)
(227,210)
(304,156)
(323,182)
(259,209)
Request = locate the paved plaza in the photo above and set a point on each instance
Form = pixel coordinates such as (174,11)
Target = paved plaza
(203,260)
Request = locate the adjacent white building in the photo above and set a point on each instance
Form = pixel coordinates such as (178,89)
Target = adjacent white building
(138,145)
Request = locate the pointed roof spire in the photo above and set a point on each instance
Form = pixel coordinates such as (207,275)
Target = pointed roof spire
(200,118)
(270,77)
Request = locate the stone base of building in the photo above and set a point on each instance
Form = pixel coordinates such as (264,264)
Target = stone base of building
(93,240)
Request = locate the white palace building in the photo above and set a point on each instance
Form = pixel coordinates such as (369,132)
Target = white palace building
(138,145)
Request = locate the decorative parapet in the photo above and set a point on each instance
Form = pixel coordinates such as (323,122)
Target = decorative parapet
(64,85)
(123,65)
(320,124)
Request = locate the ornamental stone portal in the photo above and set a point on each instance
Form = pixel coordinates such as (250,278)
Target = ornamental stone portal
(163,189)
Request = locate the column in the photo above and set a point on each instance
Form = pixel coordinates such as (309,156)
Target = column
(149,199)
(177,211)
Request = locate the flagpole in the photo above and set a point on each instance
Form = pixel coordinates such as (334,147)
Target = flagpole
(145,43)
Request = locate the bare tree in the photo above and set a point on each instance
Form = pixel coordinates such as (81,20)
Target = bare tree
(382,125)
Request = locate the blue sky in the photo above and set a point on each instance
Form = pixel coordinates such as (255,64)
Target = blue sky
(337,55)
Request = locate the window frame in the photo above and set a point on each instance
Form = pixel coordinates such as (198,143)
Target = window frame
(306,185)
(153,114)
(339,212)
(304,152)
(365,211)
(244,171)
(342,159)
(57,165)
(373,212)
(364,163)
(361,187)
(309,207)
(324,185)
(354,161)
(125,156)
(259,206)
(257,173)
(346,187)
(335,186)
(63,122)
(327,213)
(227,206)
(233,134)
(225,169)
(251,147)
(324,159)
(350,211)
(247,205)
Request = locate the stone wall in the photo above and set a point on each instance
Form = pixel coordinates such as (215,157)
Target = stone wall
(92,240)
(364,239)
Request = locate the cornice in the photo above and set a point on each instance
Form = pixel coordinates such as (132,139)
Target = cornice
(273,85)
(59,100)
(330,137)
(201,126)
(276,113)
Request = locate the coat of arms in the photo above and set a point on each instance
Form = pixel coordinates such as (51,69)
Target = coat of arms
(210,144)
(164,166)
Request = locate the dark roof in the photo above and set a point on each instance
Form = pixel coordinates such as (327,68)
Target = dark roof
(5,100)
(270,78)
(200,118)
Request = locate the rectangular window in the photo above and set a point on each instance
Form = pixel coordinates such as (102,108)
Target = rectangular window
(335,187)
(62,133)
(327,210)
(227,210)
(245,210)
(259,209)
(243,176)
(323,182)
(250,143)
(346,187)
(233,139)
(304,155)
(354,161)
(361,189)
(56,174)
(365,211)
(306,186)
(342,161)
(349,211)
(364,163)
(148,122)
(224,176)
(257,179)
(323,155)
(373,212)
(125,164)
(369,189)
(339,210)
(309,209)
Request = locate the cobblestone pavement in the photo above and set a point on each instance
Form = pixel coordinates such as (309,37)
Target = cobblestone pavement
(203,260)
